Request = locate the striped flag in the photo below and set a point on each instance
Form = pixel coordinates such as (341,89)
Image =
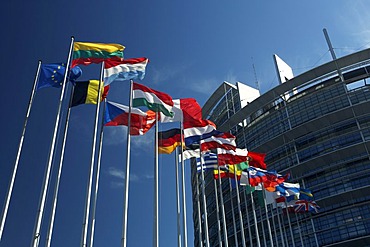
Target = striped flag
(154,100)
(117,114)
(224,140)
(116,69)
(209,162)
(86,53)
(86,92)
(184,110)
(232,156)
(168,140)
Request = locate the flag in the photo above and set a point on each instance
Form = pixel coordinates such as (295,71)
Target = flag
(257,160)
(154,100)
(184,110)
(52,75)
(256,176)
(305,194)
(288,189)
(231,156)
(201,129)
(168,140)
(117,114)
(86,92)
(224,172)
(209,162)
(117,69)
(224,141)
(86,53)
(188,154)
(303,206)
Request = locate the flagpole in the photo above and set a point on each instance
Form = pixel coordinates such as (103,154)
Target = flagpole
(156,211)
(40,213)
(57,182)
(274,225)
(85,224)
(233,212)
(222,208)
(263,229)
(283,223)
(248,220)
(280,225)
(290,225)
(185,229)
(127,174)
(217,214)
(200,235)
(255,219)
(204,199)
(314,230)
(299,228)
(97,178)
(267,218)
(239,209)
(20,146)
(178,213)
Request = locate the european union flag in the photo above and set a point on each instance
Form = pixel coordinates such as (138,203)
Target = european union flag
(52,75)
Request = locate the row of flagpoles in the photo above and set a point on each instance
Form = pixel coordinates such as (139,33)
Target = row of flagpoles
(196,137)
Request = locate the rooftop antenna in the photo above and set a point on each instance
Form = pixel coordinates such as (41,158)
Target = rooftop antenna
(255,75)
(332,53)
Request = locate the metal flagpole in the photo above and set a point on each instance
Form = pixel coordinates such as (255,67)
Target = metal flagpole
(248,220)
(57,182)
(185,230)
(156,191)
(290,225)
(198,206)
(239,209)
(222,208)
(85,224)
(274,225)
(20,146)
(284,230)
(97,178)
(280,225)
(263,228)
(233,213)
(127,174)
(314,232)
(40,213)
(204,200)
(217,215)
(255,218)
(299,228)
(178,214)
(267,218)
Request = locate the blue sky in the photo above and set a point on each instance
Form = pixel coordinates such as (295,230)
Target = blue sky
(193,46)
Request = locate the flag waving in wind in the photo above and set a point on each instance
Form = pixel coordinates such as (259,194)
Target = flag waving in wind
(52,75)
(117,114)
(116,69)
(184,110)
(86,53)
(154,100)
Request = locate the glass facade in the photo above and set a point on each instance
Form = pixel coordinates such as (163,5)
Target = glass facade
(320,134)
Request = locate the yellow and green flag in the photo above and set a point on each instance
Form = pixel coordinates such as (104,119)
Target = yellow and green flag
(86,53)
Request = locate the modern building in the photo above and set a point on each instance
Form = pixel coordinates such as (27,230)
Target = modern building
(320,134)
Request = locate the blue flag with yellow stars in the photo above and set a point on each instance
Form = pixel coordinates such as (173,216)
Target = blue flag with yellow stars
(52,75)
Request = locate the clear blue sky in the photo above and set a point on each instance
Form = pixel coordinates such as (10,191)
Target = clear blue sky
(192,45)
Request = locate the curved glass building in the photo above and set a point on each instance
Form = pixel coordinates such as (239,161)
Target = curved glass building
(316,126)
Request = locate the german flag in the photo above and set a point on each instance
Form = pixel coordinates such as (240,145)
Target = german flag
(168,140)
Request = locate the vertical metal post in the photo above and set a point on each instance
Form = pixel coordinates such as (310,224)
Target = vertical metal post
(20,146)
